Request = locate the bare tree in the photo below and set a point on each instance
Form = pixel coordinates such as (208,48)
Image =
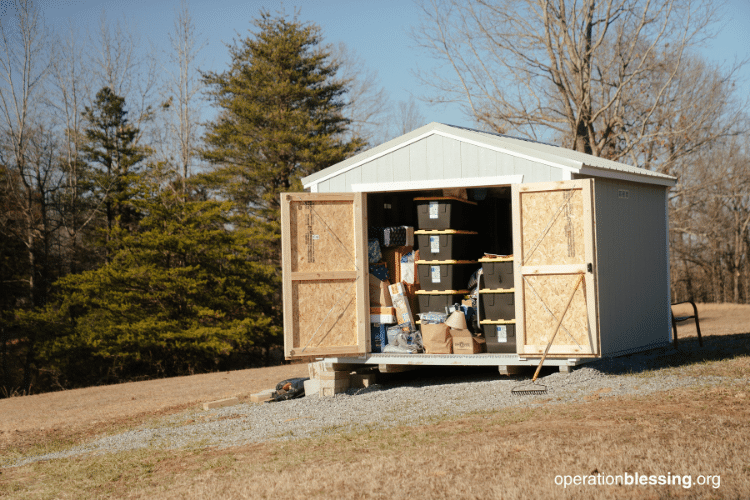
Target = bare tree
(119,62)
(182,91)
(24,65)
(70,90)
(368,106)
(406,117)
(595,74)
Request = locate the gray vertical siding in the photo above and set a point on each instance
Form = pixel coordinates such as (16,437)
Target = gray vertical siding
(632,266)
(437,157)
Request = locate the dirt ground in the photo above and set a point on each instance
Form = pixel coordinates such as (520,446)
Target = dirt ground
(93,409)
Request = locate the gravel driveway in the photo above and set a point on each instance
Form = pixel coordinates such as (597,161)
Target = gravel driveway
(417,398)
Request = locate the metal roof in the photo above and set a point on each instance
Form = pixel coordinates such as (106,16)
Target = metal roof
(552,155)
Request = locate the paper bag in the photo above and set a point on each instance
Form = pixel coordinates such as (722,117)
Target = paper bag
(437,339)
(379,295)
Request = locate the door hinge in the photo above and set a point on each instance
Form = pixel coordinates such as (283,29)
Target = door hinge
(590,267)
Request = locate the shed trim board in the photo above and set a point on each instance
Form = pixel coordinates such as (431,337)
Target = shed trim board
(621,176)
(669,277)
(626,269)
(379,187)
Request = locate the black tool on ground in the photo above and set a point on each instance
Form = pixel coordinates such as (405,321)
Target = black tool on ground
(289,389)
(534,389)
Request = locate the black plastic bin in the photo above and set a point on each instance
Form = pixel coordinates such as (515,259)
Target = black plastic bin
(498,273)
(437,301)
(448,244)
(497,305)
(445,274)
(500,338)
(445,213)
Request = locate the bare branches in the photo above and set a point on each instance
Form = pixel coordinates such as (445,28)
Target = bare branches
(591,73)
(181,91)
(367,104)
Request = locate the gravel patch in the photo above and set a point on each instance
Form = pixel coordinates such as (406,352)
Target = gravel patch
(414,401)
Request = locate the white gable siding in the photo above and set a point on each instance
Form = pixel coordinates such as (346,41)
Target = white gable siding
(436,157)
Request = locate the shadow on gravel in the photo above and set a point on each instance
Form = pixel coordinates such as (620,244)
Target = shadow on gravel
(715,348)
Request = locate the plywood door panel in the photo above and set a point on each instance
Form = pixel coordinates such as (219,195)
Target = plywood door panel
(324,274)
(553,243)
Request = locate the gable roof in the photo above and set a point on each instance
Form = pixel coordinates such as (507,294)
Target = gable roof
(555,156)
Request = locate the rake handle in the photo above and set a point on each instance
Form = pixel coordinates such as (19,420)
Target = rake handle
(559,322)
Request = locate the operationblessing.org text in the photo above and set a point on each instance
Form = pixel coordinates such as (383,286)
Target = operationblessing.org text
(636,479)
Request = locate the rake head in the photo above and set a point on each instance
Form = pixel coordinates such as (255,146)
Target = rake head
(532,389)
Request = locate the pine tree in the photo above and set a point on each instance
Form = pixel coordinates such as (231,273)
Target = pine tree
(280,118)
(112,150)
(181,294)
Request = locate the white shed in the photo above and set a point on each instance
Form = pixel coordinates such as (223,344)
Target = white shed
(561,213)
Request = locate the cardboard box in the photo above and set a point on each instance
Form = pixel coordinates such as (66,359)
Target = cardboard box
(436,338)
(383,315)
(379,294)
(401,303)
(392,258)
(465,343)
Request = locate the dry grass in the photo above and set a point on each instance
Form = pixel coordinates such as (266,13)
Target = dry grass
(68,417)
(509,454)
(513,453)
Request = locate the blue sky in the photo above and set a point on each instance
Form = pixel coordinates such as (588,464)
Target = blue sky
(377,30)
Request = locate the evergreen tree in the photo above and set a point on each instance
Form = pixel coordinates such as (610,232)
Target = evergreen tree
(181,294)
(112,150)
(280,118)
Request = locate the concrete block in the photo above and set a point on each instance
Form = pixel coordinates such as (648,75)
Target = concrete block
(314,369)
(327,388)
(312,387)
(334,376)
(220,403)
(262,396)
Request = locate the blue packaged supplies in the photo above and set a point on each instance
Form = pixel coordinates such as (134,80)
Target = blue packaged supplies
(373,251)
(378,337)
(380,271)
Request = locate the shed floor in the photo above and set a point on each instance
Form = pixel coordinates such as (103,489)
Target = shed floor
(484,359)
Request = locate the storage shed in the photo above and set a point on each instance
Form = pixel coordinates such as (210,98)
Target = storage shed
(561,214)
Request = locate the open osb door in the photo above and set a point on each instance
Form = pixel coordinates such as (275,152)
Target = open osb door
(553,245)
(324,266)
